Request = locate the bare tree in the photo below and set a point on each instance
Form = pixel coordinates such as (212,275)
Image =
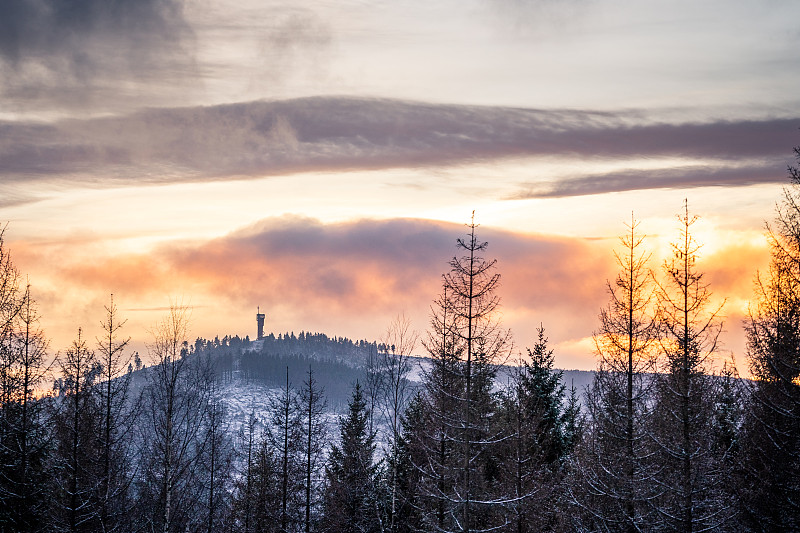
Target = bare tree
(175,403)
(399,344)
(24,437)
(11,302)
(113,392)
(373,383)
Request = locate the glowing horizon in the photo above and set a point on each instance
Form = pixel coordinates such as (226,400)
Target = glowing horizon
(319,159)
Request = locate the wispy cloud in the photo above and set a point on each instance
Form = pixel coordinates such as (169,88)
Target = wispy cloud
(335,134)
(686,177)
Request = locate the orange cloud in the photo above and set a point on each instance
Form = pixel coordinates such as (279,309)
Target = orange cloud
(352,278)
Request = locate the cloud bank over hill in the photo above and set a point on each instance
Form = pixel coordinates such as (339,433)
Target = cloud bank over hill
(357,276)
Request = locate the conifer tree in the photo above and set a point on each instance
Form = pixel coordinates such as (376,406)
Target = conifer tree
(266,490)
(351,496)
(25,436)
(215,464)
(285,435)
(313,438)
(536,423)
(117,420)
(256,496)
(466,343)
(770,471)
(76,419)
(408,451)
(614,469)
(693,494)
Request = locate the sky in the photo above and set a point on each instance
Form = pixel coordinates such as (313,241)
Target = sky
(319,159)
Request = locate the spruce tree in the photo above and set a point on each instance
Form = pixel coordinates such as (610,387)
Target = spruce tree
(117,420)
(313,438)
(465,343)
(256,499)
(351,497)
(615,484)
(408,450)
(77,417)
(769,477)
(538,429)
(25,437)
(694,494)
(285,435)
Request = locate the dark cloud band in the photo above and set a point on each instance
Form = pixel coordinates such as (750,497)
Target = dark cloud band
(60,32)
(334,134)
(669,178)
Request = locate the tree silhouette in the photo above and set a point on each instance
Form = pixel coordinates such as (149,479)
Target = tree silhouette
(351,475)
(466,343)
(175,404)
(615,468)
(770,472)
(693,496)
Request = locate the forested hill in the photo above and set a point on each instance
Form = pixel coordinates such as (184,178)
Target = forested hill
(337,362)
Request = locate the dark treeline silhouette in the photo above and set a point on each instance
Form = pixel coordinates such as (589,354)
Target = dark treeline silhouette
(318,345)
(666,438)
(338,362)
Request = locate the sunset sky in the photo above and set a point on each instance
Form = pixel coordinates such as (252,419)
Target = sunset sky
(320,158)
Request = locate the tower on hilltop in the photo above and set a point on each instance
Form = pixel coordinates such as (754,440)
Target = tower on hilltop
(260,321)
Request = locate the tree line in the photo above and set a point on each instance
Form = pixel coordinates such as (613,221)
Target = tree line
(664,439)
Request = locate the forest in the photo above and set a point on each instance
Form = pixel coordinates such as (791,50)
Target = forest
(662,440)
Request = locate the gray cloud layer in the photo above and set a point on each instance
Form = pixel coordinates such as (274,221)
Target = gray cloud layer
(59,51)
(270,138)
(56,28)
(667,178)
